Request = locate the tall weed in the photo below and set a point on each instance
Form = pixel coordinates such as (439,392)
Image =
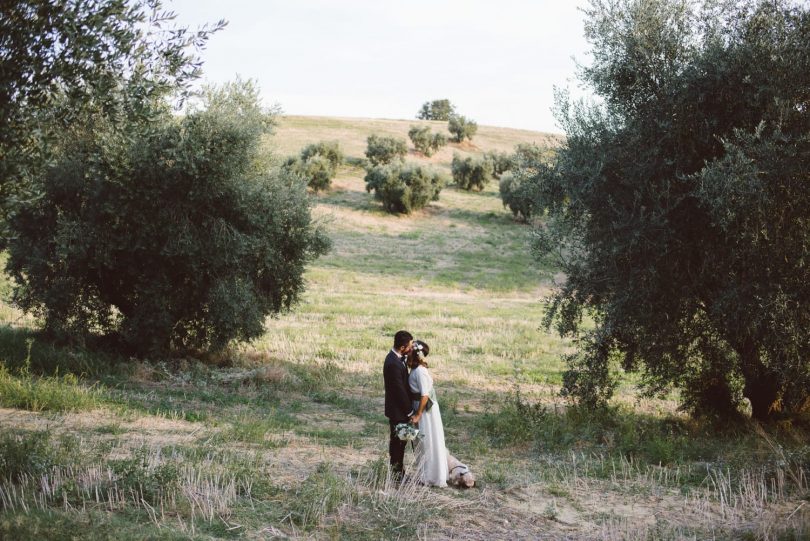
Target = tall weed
(47,393)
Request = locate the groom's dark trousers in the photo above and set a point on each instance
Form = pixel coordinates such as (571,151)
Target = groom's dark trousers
(396,449)
(397,406)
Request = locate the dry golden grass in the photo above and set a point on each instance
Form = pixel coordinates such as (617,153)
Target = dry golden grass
(294,132)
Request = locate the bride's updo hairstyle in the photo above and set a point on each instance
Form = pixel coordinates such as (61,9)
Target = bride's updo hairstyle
(418,353)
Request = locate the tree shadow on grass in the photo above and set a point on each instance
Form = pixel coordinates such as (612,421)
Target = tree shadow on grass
(621,433)
(31,348)
(363,202)
(353,200)
(481,218)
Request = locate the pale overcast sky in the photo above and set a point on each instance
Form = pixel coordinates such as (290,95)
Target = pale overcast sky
(496,60)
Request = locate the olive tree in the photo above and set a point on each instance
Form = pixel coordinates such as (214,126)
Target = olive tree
(165,237)
(521,179)
(471,173)
(425,141)
(63,59)
(462,128)
(403,188)
(385,150)
(317,164)
(679,205)
(436,110)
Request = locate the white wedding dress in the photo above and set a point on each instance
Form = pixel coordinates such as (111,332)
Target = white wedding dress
(431,454)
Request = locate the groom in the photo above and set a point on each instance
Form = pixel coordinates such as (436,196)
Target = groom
(397,399)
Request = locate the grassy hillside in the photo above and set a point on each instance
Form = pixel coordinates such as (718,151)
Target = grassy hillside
(287,439)
(294,132)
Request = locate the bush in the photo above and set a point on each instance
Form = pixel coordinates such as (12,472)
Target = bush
(528,154)
(520,184)
(436,110)
(501,162)
(471,173)
(385,150)
(404,188)
(426,142)
(316,171)
(317,164)
(462,128)
(327,149)
(170,238)
(516,194)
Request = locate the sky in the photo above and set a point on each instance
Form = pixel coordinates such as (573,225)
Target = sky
(497,61)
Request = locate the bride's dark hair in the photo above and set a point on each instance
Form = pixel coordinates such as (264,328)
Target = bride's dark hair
(418,353)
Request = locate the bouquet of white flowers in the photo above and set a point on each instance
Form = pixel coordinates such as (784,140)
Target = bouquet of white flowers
(406,431)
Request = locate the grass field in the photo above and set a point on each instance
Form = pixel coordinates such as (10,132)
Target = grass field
(286,438)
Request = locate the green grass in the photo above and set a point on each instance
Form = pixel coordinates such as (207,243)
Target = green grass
(247,428)
(47,393)
(63,525)
(319,495)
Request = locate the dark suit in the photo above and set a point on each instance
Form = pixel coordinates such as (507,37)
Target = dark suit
(397,406)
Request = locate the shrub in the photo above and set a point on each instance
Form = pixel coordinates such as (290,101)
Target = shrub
(516,194)
(404,188)
(426,142)
(316,171)
(501,162)
(317,164)
(461,128)
(471,173)
(385,150)
(169,238)
(327,149)
(520,186)
(436,110)
(527,154)
(437,141)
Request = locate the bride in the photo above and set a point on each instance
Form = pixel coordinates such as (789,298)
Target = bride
(431,453)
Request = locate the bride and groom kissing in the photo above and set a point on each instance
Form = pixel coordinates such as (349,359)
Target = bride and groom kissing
(410,398)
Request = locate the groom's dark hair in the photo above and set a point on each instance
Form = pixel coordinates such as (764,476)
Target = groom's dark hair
(402,338)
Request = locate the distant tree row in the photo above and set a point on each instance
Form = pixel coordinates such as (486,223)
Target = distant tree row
(402,188)
(513,170)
